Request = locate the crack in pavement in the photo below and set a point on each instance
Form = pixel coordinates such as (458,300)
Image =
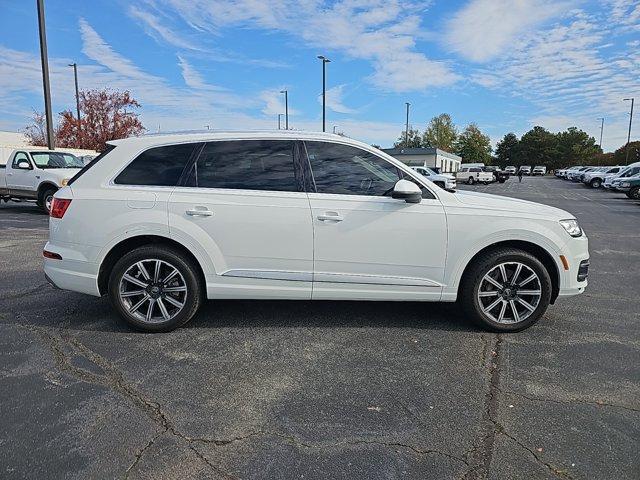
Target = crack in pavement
(570,401)
(66,349)
(482,453)
(114,380)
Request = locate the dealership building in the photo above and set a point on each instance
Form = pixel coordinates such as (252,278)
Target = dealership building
(426,157)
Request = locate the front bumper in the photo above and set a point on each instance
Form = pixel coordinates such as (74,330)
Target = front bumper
(574,281)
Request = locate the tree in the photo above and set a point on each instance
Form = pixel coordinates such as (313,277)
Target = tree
(538,147)
(473,145)
(440,133)
(575,147)
(507,150)
(634,153)
(415,140)
(36,132)
(106,115)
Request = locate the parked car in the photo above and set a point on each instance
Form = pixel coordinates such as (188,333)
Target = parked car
(596,177)
(161,223)
(631,187)
(563,172)
(511,170)
(526,170)
(37,175)
(471,175)
(443,180)
(539,170)
(574,175)
(499,175)
(613,181)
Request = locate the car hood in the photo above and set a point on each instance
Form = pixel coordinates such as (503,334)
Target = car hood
(62,173)
(486,201)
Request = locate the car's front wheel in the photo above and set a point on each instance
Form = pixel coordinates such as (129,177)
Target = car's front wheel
(155,288)
(634,193)
(471,180)
(506,290)
(596,183)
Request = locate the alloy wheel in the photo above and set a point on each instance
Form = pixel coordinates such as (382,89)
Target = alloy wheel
(509,293)
(48,200)
(153,290)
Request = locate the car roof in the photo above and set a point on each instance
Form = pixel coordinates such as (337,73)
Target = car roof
(212,135)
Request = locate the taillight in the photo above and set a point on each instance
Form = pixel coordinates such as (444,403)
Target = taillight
(59,207)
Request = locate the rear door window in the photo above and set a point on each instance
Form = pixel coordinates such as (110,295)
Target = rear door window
(247,165)
(158,166)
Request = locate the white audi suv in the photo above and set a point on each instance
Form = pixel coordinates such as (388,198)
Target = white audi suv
(161,223)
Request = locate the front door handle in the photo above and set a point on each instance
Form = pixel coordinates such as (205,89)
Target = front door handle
(330,217)
(197,212)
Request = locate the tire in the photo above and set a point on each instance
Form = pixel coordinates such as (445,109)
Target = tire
(634,193)
(45,198)
(596,183)
(471,181)
(477,308)
(169,310)
(502,180)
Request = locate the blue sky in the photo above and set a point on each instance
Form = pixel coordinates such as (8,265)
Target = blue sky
(506,65)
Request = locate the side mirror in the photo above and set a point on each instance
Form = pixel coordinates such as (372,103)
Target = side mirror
(407,191)
(23,165)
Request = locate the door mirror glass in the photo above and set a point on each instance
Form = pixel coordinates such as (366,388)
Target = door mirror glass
(23,165)
(407,191)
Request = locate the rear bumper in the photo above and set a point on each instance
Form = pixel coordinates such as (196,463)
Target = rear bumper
(73,272)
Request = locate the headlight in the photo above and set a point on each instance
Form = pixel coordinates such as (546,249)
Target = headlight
(64,182)
(625,184)
(571,227)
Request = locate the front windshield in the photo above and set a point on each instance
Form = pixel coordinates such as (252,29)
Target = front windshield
(56,160)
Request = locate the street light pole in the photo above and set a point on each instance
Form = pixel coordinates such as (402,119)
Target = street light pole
(279,116)
(45,74)
(286,109)
(601,130)
(406,129)
(325,60)
(629,134)
(75,76)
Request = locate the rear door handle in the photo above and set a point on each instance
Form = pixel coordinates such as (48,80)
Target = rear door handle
(331,217)
(199,212)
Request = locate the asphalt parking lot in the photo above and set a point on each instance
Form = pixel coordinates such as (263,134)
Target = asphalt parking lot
(325,390)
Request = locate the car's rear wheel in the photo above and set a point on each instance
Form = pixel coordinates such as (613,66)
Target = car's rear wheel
(596,183)
(506,290)
(634,193)
(155,288)
(471,181)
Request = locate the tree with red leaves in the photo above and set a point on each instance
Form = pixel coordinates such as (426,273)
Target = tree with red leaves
(106,115)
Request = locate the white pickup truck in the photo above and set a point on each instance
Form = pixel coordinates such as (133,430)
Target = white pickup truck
(472,175)
(36,175)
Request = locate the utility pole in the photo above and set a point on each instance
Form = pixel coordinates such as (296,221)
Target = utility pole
(45,74)
(325,60)
(286,109)
(406,129)
(75,76)
(629,134)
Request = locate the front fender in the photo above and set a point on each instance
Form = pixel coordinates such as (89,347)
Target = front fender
(465,244)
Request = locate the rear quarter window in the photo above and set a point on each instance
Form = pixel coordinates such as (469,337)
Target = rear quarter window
(158,166)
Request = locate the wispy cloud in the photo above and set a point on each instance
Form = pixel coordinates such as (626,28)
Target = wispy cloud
(154,27)
(484,29)
(568,72)
(383,32)
(334,100)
